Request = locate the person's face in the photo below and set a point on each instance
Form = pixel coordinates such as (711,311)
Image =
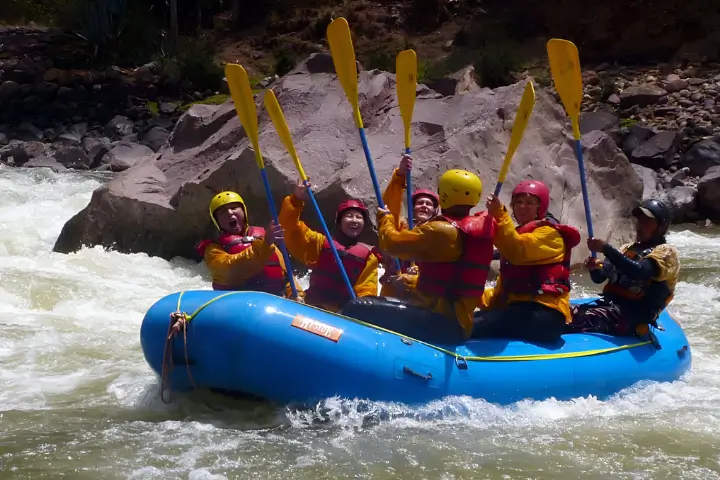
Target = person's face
(352,223)
(423,208)
(645,228)
(231,218)
(525,208)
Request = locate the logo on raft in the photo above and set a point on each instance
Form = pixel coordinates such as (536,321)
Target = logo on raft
(318,328)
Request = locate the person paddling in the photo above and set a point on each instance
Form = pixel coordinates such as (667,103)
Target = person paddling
(531,299)
(641,277)
(453,251)
(243,257)
(327,289)
(425,205)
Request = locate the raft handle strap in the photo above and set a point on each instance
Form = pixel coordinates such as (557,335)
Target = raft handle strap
(461,363)
(410,371)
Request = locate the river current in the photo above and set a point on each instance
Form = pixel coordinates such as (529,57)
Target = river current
(77,399)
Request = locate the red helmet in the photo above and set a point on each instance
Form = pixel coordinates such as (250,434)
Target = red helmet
(349,204)
(537,189)
(427,193)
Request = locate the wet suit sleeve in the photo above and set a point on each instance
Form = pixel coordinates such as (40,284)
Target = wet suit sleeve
(302,243)
(434,241)
(239,267)
(540,245)
(392,197)
(643,270)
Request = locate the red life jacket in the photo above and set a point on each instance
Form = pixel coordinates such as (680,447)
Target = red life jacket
(551,278)
(466,276)
(270,280)
(326,281)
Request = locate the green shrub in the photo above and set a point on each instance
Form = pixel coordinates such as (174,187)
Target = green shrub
(192,59)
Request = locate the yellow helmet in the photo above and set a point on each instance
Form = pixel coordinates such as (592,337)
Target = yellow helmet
(459,187)
(225,198)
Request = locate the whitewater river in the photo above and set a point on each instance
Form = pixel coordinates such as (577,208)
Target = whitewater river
(78,401)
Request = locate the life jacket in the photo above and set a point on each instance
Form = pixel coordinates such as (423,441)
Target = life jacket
(326,281)
(466,276)
(650,295)
(551,278)
(270,280)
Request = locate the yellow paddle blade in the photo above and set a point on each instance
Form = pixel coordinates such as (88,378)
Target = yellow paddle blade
(281,126)
(565,69)
(406,82)
(239,84)
(343,55)
(527,103)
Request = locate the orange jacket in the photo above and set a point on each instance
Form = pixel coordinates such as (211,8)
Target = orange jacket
(236,269)
(305,245)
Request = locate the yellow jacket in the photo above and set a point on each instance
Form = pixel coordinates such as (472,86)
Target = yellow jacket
(392,198)
(542,246)
(433,241)
(233,270)
(305,245)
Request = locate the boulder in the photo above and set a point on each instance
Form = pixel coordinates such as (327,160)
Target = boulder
(160,205)
(649,178)
(125,155)
(45,162)
(641,95)
(683,201)
(702,156)
(658,151)
(457,83)
(709,193)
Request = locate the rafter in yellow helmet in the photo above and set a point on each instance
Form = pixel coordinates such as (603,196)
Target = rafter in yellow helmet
(459,188)
(225,198)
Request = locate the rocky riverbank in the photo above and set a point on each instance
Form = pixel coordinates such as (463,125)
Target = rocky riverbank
(666,120)
(60,117)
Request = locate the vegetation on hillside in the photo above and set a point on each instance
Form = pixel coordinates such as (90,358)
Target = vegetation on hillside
(193,38)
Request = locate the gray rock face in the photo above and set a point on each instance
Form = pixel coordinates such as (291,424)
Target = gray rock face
(159,206)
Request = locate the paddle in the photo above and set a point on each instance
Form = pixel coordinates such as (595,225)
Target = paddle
(281,126)
(565,69)
(343,55)
(521,120)
(406,84)
(242,96)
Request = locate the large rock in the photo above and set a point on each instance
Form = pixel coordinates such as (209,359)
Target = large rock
(683,201)
(702,156)
(649,178)
(709,193)
(658,151)
(160,206)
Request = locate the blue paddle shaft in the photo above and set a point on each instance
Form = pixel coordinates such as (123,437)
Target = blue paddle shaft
(273,212)
(583,185)
(375,183)
(373,177)
(330,241)
(408,189)
(498,187)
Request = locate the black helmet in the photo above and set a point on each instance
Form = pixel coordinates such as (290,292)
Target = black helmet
(655,209)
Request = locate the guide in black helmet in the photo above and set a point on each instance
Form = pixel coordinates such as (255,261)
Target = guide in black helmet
(641,277)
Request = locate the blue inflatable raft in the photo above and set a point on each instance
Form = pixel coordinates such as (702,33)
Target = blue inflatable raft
(259,344)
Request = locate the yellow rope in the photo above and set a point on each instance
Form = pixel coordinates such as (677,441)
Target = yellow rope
(508,358)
